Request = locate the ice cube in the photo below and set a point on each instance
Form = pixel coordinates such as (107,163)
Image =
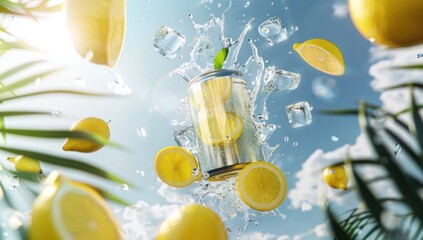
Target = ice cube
(273,31)
(299,114)
(277,80)
(168,42)
(185,138)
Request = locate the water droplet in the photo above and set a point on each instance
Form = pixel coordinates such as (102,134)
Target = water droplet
(89,56)
(397,149)
(294,28)
(124,187)
(56,113)
(332,171)
(272,3)
(141,133)
(195,171)
(286,8)
(289,52)
(38,81)
(174,122)
(247,4)
(15,220)
(140,172)
(219,5)
(287,173)
(372,40)
(334,138)
(286,138)
(295,144)
(79,82)
(141,20)
(13,182)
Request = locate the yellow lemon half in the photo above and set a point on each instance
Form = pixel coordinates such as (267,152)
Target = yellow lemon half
(262,186)
(174,166)
(212,93)
(26,164)
(70,210)
(322,54)
(336,177)
(91,125)
(393,23)
(220,127)
(97,27)
(193,222)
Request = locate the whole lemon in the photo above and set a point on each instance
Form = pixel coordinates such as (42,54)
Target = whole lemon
(90,125)
(71,210)
(393,23)
(336,177)
(193,222)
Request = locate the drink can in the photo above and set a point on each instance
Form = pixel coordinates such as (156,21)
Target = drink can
(227,136)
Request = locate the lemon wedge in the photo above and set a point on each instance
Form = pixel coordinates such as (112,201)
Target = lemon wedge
(220,127)
(174,166)
(70,210)
(322,55)
(91,125)
(212,93)
(262,186)
(97,27)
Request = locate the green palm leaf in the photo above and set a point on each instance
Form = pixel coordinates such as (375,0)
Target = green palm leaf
(47,92)
(65,162)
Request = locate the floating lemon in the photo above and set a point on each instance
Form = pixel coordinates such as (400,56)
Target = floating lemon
(392,23)
(322,55)
(26,164)
(336,177)
(97,27)
(211,93)
(220,127)
(89,125)
(262,186)
(193,222)
(70,210)
(175,165)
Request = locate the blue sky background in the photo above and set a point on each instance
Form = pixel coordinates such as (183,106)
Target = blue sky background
(154,101)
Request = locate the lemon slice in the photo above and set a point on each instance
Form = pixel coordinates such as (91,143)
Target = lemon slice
(97,27)
(70,210)
(220,127)
(175,165)
(262,186)
(322,55)
(211,93)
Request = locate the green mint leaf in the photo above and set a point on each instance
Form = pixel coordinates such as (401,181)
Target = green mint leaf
(220,58)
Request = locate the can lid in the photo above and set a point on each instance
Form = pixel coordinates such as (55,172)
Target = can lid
(215,73)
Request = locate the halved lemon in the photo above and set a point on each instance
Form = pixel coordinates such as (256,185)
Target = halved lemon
(97,27)
(71,210)
(262,186)
(211,93)
(323,55)
(174,166)
(220,127)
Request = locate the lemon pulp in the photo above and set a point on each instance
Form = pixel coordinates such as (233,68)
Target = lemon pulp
(71,210)
(323,55)
(220,127)
(174,166)
(262,186)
